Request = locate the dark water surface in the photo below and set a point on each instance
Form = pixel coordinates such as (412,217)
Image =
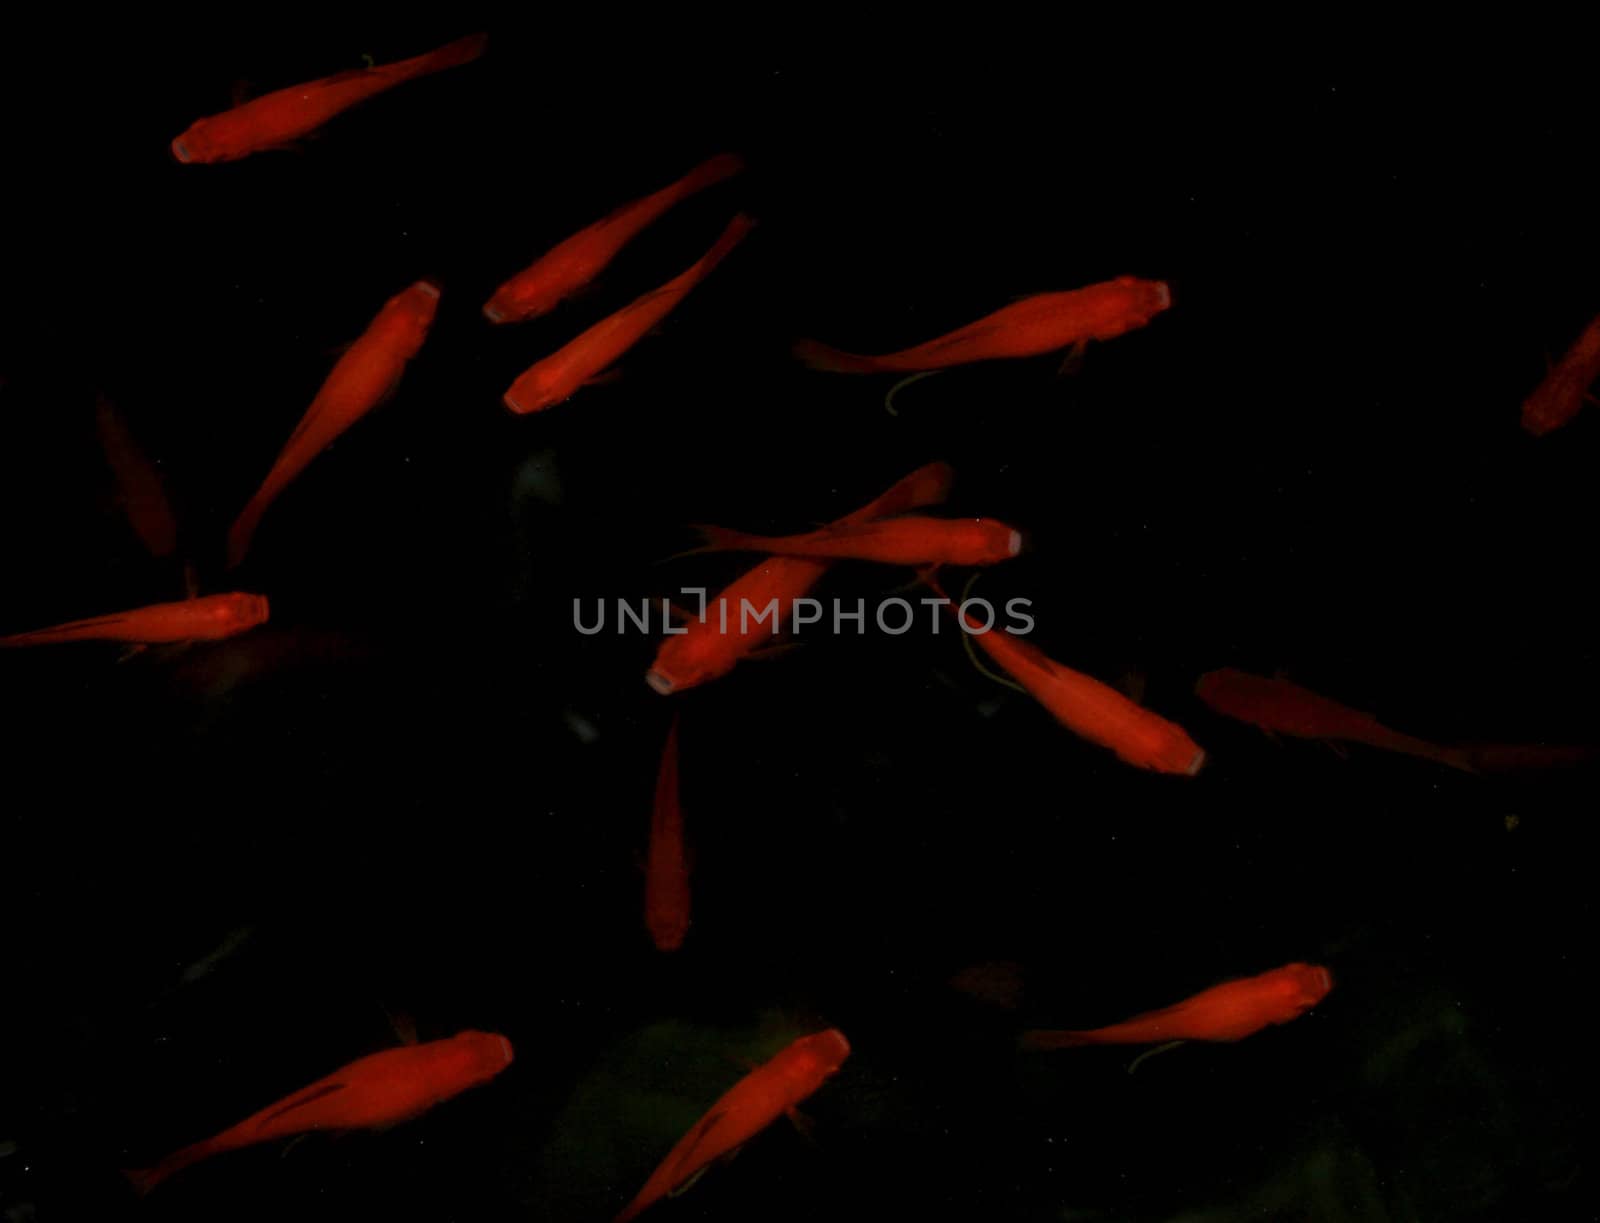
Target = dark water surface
(379,805)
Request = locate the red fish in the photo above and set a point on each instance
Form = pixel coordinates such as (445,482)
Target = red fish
(137,482)
(1230,1011)
(1087,707)
(558,376)
(1039,324)
(573,263)
(1278,705)
(666,878)
(369,1093)
(369,370)
(208,619)
(713,645)
(1557,399)
(912,540)
(747,1108)
(277,119)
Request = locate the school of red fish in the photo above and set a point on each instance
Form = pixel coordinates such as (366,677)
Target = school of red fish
(390,1086)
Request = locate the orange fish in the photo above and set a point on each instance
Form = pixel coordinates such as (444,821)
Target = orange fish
(143,498)
(666,878)
(369,1093)
(208,619)
(583,360)
(712,645)
(276,119)
(1557,399)
(747,1108)
(573,263)
(369,370)
(913,540)
(1230,1011)
(1087,707)
(1039,324)
(1278,705)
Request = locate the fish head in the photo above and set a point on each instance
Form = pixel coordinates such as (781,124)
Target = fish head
(992,540)
(668,929)
(237,611)
(821,1054)
(483,1054)
(409,314)
(1304,985)
(197,144)
(686,660)
(540,387)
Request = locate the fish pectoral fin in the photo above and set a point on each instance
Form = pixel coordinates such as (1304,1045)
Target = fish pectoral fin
(604,376)
(1073,361)
(1149,1053)
(773,649)
(690,1183)
(888,399)
(804,1125)
(1338,749)
(132,651)
(1272,736)
(695,1137)
(293,1143)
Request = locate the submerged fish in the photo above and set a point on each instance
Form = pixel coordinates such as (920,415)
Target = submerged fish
(1039,324)
(1558,398)
(666,877)
(583,360)
(713,644)
(912,540)
(206,619)
(277,119)
(367,373)
(1085,706)
(1278,705)
(371,1092)
(1230,1011)
(574,262)
(747,1108)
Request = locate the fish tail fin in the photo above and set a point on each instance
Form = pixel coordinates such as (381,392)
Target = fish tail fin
(723,539)
(242,532)
(1040,1039)
(453,54)
(831,360)
(143,1180)
(711,171)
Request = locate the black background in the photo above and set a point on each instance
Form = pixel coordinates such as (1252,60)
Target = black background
(1312,462)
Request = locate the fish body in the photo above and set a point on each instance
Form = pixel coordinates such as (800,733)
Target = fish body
(912,540)
(666,879)
(286,115)
(369,1093)
(139,485)
(1042,323)
(1227,1012)
(712,645)
(747,1108)
(1286,708)
(574,262)
(363,377)
(1558,398)
(206,619)
(559,376)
